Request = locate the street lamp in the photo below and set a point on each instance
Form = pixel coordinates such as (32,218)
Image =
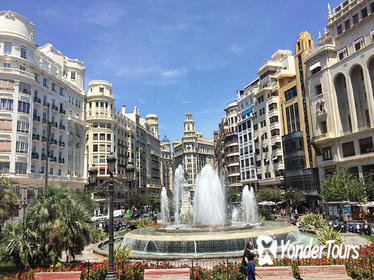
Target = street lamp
(130,170)
(111,161)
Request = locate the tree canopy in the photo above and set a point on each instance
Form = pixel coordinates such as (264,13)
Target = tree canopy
(343,186)
(8,199)
(269,194)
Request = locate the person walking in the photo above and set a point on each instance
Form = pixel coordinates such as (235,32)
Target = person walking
(246,256)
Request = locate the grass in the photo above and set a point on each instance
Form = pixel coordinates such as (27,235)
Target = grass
(121,233)
(369,237)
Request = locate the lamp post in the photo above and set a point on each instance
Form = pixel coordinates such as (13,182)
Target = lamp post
(111,160)
(130,170)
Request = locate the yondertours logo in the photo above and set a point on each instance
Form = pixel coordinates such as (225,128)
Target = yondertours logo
(268,250)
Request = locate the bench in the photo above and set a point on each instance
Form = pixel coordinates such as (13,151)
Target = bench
(275,272)
(66,275)
(167,274)
(336,272)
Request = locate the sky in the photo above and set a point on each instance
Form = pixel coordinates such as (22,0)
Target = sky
(169,57)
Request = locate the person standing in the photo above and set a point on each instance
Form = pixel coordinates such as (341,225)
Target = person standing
(245,259)
(251,269)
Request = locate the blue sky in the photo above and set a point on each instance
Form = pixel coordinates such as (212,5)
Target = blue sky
(170,57)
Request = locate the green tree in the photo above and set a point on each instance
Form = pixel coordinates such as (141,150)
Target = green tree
(230,195)
(342,185)
(8,199)
(269,194)
(369,186)
(295,197)
(56,220)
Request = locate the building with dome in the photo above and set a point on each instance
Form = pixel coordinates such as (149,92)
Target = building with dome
(41,96)
(166,164)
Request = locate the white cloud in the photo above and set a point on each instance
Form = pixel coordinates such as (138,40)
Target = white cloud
(173,73)
(105,14)
(186,102)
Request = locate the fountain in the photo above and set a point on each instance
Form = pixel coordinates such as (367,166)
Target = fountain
(209,199)
(211,234)
(164,207)
(250,206)
(179,181)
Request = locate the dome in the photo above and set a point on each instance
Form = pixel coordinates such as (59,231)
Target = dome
(165,139)
(15,25)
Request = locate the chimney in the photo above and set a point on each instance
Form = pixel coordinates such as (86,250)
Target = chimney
(123,109)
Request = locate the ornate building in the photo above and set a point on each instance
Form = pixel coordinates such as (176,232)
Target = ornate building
(166,164)
(193,152)
(340,75)
(41,91)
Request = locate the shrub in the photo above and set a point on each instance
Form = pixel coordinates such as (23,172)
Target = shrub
(326,233)
(265,214)
(312,221)
(97,235)
(122,252)
(144,222)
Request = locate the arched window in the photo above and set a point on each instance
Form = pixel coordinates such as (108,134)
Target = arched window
(343,103)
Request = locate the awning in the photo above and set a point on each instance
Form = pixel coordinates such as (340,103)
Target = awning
(358,41)
(315,65)
(247,112)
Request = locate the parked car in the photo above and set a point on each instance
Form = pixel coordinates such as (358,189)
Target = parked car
(99,217)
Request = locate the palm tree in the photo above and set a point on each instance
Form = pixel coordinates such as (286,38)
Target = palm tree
(8,199)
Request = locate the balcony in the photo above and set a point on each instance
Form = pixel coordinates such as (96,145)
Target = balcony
(37,99)
(62,111)
(35,136)
(43,157)
(54,108)
(61,144)
(62,127)
(44,139)
(36,118)
(44,121)
(46,104)
(17,72)
(53,159)
(53,142)
(34,155)
(54,124)
(61,160)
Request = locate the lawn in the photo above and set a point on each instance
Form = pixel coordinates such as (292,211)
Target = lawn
(369,237)
(121,233)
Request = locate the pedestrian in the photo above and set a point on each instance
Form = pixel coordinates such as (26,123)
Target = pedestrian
(251,269)
(245,259)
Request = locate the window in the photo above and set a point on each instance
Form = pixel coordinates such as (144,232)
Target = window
(372,7)
(5,146)
(22,68)
(355,18)
(260,99)
(101,89)
(348,149)
(23,52)
(318,89)
(340,29)
(347,24)
(366,145)
(102,136)
(359,44)
(7,48)
(95,136)
(298,46)
(45,82)
(22,126)
(327,153)
(292,116)
(21,167)
(22,147)
(291,93)
(342,53)
(54,87)
(6,104)
(372,35)
(6,84)
(95,148)
(23,107)
(108,137)
(364,12)
(6,65)
(4,167)
(263,123)
(61,91)
(323,127)
(72,75)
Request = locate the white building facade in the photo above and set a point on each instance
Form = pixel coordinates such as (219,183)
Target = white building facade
(39,85)
(341,85)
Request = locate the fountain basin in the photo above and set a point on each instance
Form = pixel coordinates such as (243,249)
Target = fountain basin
(150,243)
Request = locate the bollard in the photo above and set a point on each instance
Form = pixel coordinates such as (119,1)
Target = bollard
(227,269)
(88,269)
(193,278)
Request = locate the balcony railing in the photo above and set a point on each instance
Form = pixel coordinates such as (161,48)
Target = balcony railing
(36,118)
(54,107)
(43,157)
(34,155)
(62,127)
(46,104)
(44,139)
(37,99)
(53,159)
(62,111)
(53,142)
(61,160)
(61,144)
(44,121)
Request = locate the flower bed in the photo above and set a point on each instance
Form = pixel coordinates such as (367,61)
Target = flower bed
(357,268)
